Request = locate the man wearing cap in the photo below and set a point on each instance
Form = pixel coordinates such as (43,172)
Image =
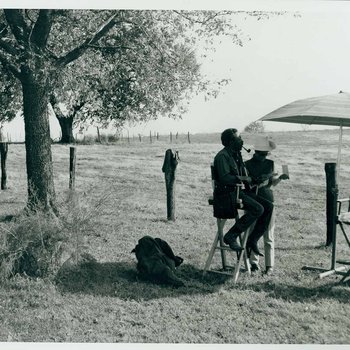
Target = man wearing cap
(262,171)
(229,171)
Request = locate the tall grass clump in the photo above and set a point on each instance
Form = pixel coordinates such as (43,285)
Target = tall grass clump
(37,243)
(29,244)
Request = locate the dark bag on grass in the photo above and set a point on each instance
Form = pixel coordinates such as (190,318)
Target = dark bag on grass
(156,261)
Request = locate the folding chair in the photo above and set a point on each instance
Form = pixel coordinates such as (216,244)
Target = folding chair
(343,218)
(218,245)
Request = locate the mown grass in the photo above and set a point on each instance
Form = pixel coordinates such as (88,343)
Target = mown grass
(104,301)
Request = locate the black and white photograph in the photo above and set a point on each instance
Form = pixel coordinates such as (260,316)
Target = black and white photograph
(175,174)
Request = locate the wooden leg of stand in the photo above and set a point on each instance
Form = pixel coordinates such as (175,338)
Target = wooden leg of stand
(344,233)
(211,253)
(221,224)
(242,255)
(245,255)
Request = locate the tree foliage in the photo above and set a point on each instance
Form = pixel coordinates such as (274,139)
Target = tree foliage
(255,127)
(143,67)
(146,68)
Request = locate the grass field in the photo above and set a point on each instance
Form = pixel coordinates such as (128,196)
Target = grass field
(108,303)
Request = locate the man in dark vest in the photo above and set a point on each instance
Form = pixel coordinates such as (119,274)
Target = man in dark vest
(229,171)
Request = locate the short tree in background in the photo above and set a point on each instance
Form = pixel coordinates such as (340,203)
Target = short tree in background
(255,127)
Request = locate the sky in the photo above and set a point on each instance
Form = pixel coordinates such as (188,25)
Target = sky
(283,58)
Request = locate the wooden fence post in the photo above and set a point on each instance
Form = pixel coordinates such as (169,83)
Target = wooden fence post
(171,137)
(188,137)
(3,152)
(98,135)
(150,136)
(177,135)
(331,209)
(72,161)
(157,136)
(171,160)
(128,137)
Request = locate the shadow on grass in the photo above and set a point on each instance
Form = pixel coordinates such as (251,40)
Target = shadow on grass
(296,293)
(120,279)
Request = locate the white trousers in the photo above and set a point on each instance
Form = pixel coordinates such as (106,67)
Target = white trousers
(269,245)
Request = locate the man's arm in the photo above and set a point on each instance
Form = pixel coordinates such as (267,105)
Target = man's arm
(275,180)
(226,175)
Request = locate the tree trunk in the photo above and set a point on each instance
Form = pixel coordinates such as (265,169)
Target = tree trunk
(3,156)
(41,192)
(66,124)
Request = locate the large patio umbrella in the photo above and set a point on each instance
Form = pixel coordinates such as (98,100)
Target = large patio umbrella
(323,110)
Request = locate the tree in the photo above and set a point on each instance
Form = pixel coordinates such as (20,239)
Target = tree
(117,80)
(127,90)
(255,127)
(36,46)
(26,52)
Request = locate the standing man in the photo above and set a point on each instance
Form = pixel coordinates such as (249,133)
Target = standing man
(262,171)
(229,171)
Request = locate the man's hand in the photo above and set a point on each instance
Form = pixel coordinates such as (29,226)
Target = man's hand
(247,179)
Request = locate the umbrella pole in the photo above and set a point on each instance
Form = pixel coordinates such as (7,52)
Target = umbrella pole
(334,238)
(339,149)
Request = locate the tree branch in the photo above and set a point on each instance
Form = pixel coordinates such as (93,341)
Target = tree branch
(51,54)
(42,28)
(17,24)
(3,29)
(209,18)
(111,47)
(77,108)
(78,51)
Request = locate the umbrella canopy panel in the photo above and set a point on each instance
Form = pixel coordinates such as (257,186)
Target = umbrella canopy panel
(322,110)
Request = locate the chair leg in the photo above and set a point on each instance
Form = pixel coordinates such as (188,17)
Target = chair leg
(218,240)
(218,243)
(211,254)
(345,278)
(243,255)
(221,224)
(345,235)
